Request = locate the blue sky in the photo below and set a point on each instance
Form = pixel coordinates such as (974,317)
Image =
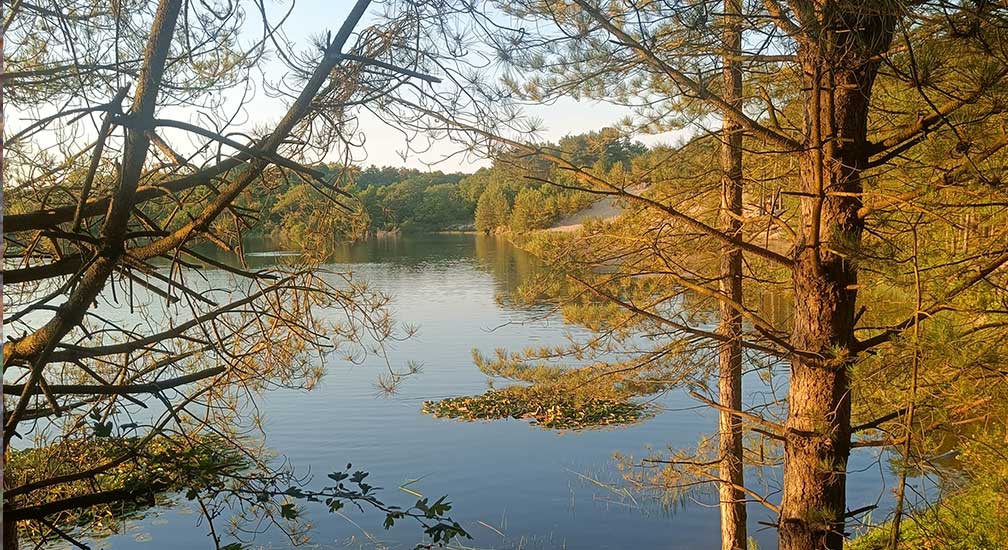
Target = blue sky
(386,145)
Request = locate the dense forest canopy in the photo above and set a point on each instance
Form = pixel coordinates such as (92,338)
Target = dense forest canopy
(509,196)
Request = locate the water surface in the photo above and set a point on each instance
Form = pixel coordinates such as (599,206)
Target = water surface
(513,485)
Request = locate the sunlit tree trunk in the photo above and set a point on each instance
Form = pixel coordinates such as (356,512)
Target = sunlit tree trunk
(838,73)
(733,507)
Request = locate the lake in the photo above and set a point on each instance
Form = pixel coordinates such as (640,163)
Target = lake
(513,485)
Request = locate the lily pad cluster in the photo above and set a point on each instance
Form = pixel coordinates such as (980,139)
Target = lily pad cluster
(549,406)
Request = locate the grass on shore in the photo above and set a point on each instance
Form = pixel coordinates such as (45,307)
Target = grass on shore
(974,519)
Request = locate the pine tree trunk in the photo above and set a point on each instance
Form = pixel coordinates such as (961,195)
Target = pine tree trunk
(732,499)
(838,76)
(10,538)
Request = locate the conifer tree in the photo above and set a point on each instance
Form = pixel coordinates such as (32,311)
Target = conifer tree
(853,111)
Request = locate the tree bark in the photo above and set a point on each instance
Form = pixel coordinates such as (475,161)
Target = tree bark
(10,535)
(41,342)
(10,538)
(732,498)
(838,74)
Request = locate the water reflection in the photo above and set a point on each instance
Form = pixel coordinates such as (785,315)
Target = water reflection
(495,255)
(512,485)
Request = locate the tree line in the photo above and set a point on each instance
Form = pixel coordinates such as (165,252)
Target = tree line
(511,196)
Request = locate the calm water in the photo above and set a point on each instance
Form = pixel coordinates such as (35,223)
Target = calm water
(522,481)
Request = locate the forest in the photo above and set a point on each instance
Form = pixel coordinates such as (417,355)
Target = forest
(510,196)
(224,328)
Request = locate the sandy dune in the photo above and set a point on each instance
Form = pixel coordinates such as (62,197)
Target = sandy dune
(602,209)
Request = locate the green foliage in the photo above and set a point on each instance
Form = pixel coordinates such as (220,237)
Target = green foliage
(528,212)
(517,194)
(352,487)
(312,216)
(302,217)
(514,368)
(410,200)
(973,519)
(493,211)
(520,193)
(607,147)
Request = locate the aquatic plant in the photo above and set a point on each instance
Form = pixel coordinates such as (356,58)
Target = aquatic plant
(550,406)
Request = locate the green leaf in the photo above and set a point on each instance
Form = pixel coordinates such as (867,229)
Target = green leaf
(103,429)
(288,511)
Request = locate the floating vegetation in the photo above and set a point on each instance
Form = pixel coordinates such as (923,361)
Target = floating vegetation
(550,406)
(144,478)
(565,398)
(557,397)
